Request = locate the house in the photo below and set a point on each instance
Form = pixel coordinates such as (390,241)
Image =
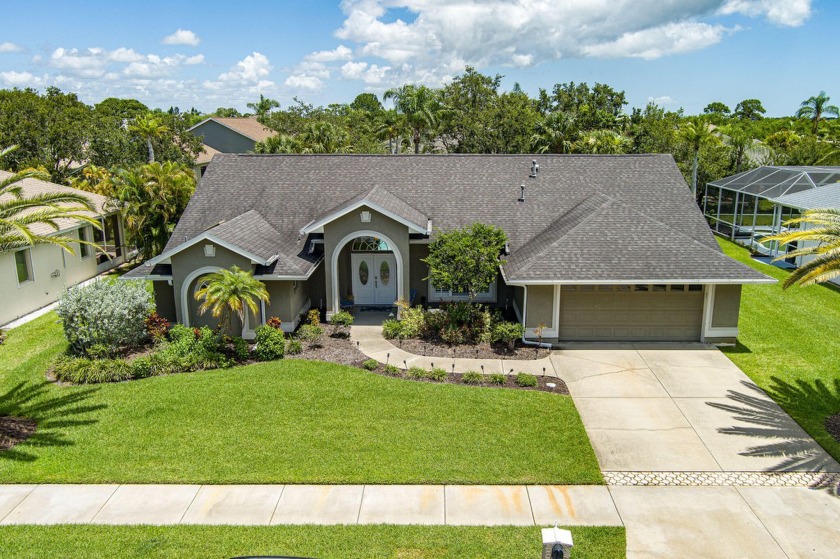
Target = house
(227,135)
(601,247)
(36,276)
(754,204)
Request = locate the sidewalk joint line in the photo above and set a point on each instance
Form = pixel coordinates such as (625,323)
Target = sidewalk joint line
(92,518)
(361,502)
(180,520)
(276,505)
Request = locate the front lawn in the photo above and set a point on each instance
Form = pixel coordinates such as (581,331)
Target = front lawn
(789,344)
(323,542)
(288,421)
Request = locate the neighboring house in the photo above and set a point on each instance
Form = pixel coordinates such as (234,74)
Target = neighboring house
(754,204)
(601,247)
(227,135)
(36,276)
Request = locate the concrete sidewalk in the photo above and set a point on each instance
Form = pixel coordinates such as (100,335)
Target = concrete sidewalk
(472,505)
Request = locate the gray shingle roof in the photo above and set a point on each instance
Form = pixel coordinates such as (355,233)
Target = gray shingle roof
(379,196)
(291,191)
(250,232)
(827,196)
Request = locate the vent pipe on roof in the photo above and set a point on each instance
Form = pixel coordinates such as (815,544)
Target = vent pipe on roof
(535,168)
(522,193)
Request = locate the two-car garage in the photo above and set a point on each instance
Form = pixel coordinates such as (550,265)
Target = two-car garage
(643,312)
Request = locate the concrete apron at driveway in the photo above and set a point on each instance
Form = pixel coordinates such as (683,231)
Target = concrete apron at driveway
(664,407)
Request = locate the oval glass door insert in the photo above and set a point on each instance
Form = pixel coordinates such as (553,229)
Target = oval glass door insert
(363,272)
(384,272)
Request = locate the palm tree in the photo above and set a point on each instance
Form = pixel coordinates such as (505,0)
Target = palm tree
(281,143)
(823,237)
(420,106)
(740,140)
(230,291)
(605,142)
(388,127)
(697,134)
(153,197)
(555,133)
(816,109)
(322,137)
(19,213)
(263,106)
(148,127)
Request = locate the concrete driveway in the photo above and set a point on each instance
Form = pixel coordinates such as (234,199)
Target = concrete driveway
(663,407)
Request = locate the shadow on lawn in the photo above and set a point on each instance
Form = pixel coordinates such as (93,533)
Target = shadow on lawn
(764,419)
(54,414)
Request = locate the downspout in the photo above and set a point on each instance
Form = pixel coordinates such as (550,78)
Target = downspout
(525,321)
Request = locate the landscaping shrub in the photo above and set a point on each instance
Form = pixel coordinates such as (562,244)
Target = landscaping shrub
(525,380)
(310,333)
(271,343)
(497,378)
(473,377)
(371,364)
(412,320)
(437,374)
(240,349)
(393,370)
(313,317)
(341,320)
(294,347)
(508,333)
(157,326)
(416,373)
(189,349)
(274,322)
(392,329)
(434,322)
(82,370)
(453,335)
(112,313)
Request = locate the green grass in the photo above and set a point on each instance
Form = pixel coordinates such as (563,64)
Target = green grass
(789,344)
(323,542)
(289,421)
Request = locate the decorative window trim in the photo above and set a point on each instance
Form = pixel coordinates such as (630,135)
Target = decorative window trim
(210,251)
(488,296)
(369,244)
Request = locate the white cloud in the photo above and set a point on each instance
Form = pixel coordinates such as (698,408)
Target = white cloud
(182,37)
(353,70)
(87,63)
(302,82)
(20,79)
(10,47)
(154,66)
(192,60)
(252,68)
(125,55)
(339,53)
(445,35)
(792,13)
(662,101)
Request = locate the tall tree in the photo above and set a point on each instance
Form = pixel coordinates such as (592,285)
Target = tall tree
(262,107)
(323,137)
(20,212)
(822,235)
(230,291)
(697,134)
(816,109)
(749,109)
(153,197)
(717,108)
(148,127)
(740,141)
(606,142)
(555,133)
(389,127)
(419,105)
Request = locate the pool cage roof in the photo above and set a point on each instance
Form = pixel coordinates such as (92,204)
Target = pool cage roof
(776,183)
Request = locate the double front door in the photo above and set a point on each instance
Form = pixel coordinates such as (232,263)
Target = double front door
(374,278)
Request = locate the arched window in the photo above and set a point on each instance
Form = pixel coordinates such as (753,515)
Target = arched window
(369,244)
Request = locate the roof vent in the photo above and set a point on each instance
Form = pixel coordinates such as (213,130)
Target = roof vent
(507,249)
(535,168)
(522,193)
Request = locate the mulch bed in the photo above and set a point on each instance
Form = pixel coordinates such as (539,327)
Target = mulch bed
(832,425)
(338,350)
(478,351)
(15,430)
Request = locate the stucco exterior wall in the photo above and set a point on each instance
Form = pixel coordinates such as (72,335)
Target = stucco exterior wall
(419,271)
(727,306)
(190,260)
(540,303)
(223,138)
(336,230)
(288,298)
(519,298)
(53,271)
(164,300)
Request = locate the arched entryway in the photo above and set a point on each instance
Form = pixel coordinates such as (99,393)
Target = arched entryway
(375,271)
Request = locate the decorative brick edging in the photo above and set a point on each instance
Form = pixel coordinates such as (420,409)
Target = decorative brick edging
(717,479)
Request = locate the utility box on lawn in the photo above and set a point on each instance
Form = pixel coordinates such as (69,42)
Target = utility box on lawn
(557,543)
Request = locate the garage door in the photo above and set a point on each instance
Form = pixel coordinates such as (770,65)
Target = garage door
(631,312)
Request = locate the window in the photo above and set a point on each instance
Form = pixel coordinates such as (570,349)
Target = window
(111,241)
(658,287)
(23,263)
(679,287)
(369,244)
(436,294)
(695,287)
(84,236)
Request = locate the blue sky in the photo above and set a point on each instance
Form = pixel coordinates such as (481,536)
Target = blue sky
(681,53)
